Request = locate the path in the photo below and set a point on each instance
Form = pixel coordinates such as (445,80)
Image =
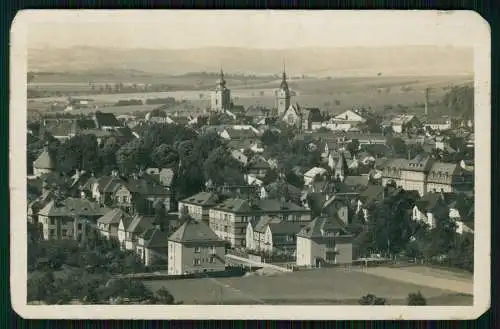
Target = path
(458,285)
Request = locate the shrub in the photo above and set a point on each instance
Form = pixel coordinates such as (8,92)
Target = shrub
(416,299)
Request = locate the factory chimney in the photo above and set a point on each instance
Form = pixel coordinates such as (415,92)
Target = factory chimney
(426,101)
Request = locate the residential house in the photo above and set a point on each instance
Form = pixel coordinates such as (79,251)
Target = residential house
(233,133)
(198,205)
(71,218)
(152,246)
(325,241)
(258,167)
(271,235)
(195,248)
(440,124)
(346,120)
(310,175)
(423,174)
(163,175)
(229,219)
(425,208)
(404,122)
(129,230)
(108,224)
(370,197)
(312,119)
(44,164)
(239,156)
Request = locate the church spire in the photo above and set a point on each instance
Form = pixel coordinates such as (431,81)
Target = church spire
(284,84)
(221,81)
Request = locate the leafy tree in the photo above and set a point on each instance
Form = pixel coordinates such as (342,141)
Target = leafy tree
(460,101)
(397,145)
(353,146)
(133,155)
(371,299)
(164,156)
(416,299)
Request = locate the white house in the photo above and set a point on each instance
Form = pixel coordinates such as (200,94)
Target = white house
(346,121)
(195,248)
(311,174)
(325,241)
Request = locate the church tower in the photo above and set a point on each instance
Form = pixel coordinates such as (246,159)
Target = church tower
(283,95)
(341,168)
(221,96)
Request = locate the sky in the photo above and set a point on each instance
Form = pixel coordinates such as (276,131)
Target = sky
(176,29)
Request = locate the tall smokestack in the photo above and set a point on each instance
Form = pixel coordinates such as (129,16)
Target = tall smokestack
(426,101)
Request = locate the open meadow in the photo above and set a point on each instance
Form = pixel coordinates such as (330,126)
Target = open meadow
(320,286)
(333,95)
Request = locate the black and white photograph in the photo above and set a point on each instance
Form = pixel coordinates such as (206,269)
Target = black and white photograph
(175,164)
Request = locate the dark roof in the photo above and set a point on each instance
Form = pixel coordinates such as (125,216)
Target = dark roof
(146,187)
(314,115)
(113,217)
(258,162)
(356,180)
(139,224)
(202,199)
(285,228)
(73,207)
(155,238)
(236,205)
(106,119)
(194,231)
(322,226)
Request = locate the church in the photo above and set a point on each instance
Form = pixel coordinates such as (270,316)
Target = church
(221,96)
(304,119)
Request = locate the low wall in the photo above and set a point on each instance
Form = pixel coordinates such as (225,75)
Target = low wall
(229,272)
(258,264)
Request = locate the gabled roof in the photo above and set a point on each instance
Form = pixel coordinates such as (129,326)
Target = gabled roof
(44,161)
(113,217)
(258,162)
(156,238)
(146,187)
(73,207)
(139,224)
(322,226)
(106,119)
(195,232)
(202,199)
(285,228)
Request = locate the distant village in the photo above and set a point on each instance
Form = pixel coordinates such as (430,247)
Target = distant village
(288,186)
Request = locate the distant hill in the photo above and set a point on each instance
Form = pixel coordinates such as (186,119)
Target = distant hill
(354,61)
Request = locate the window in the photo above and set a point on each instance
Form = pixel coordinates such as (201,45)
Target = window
(196,261)
(213,250)
(52,232)
(225,228)
(64,232)
(52,221)
(80,226)
(197,249)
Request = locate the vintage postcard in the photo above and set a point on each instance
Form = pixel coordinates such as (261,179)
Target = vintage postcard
(250,164)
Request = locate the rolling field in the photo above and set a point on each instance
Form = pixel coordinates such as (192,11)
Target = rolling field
(333,95)
(321,286)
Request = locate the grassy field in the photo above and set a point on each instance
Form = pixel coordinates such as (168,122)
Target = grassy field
(322,286)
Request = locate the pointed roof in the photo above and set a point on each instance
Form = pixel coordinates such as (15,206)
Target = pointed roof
(155,238)
(284,84)
(44,161)
(113,217)
(323,226)
(139,224)
(221,80)
(194,231)
(341,163)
